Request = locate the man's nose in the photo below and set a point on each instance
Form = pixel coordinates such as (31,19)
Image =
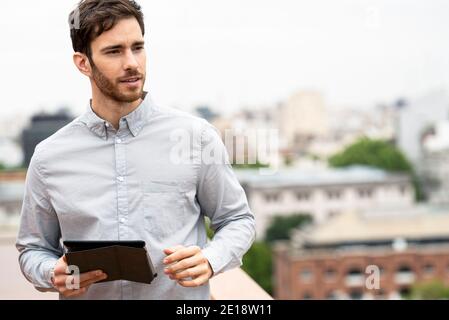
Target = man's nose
(130,61)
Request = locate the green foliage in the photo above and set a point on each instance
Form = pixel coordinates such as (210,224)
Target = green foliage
(4,167)
(429,291)
(281,226)
(288,161)
(257,263)
(376,153)
(256,165)
(380,154)
(209,231)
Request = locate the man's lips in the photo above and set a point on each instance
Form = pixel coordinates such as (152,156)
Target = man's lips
(131,79)
(133,82)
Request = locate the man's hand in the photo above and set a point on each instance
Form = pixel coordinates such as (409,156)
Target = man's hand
(61,279)
(187,262)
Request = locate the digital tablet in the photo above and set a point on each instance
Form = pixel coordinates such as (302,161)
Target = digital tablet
(120,260)
(78,245)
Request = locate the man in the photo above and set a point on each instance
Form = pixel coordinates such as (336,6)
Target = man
(115,173)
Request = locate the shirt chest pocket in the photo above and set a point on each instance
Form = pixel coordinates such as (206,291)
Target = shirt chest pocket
(165,207)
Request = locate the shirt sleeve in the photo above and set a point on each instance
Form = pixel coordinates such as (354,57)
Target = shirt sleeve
(223,200)
(39,231)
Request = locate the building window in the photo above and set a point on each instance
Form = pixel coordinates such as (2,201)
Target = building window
(380,294)
(355,277)
(303,195)
(354,272)
(306,275)
(332,295)
(332,213)
(404,292)
(307,296)
(365,193)
(403,189)
(330,274)
(428,269)
(272,197)
(404,268)
(404,275)
(333,194)
(356,294)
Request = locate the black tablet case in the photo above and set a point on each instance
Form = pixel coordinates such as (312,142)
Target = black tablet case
(120,260)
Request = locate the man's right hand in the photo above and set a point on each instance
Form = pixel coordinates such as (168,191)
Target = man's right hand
(61,279)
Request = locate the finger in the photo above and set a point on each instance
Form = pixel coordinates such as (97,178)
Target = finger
(87,283)
(61,268)
(173,249)
(189,273)
(73,293)
(181,254)
(185,264)
(62,281)
(90,275)
(67,282)
(194,282)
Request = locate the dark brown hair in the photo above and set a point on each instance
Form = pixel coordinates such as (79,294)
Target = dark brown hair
(93,17)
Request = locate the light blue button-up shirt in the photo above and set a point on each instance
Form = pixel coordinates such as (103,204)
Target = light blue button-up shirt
(154,179)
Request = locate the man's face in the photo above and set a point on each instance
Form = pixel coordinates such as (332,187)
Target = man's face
(119,61)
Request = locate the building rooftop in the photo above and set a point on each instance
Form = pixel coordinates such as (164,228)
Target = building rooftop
(314,177)
(418,223)
(11,191)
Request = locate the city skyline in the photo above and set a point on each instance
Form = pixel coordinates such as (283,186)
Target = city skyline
(231,55)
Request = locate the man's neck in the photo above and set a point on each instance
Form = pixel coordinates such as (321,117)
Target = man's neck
(112,110)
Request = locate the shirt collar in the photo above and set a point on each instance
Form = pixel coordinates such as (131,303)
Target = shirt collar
(134,120)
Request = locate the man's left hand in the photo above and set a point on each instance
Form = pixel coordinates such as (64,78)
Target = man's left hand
(187,262)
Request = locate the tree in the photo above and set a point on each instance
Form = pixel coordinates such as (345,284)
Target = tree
(380,154)
(258,264)
(280,226)
(245,165)
(375,153)
(429,291)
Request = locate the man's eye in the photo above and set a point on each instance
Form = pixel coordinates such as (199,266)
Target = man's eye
(113,52)
(139,48)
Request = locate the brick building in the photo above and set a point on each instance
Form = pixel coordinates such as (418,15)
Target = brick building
(343,259)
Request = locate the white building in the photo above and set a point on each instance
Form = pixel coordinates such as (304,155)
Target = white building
(11,196)
(322,193)
(251,136)
(434,167)
(303,116)
(11,154)
(416,117)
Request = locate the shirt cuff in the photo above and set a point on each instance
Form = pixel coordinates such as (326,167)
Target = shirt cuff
(47,268)
(214,259)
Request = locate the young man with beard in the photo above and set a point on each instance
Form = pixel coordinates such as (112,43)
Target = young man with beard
(111,174)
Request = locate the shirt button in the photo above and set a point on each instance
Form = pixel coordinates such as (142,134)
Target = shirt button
(120,179)
(122,220)
(107,125)
(118,140)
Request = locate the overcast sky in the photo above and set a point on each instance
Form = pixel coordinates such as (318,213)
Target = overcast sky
(230,54)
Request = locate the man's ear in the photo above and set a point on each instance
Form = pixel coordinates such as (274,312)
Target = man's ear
(82,63)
